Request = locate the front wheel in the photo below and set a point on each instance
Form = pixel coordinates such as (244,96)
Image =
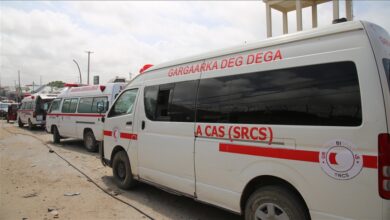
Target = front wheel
(274,202)
(122,171)
(90,142)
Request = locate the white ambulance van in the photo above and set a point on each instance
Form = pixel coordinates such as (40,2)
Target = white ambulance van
(77,112)
(33,110)
(293,127)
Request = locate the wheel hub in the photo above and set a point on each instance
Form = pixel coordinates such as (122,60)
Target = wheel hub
(270,211)
(121,170)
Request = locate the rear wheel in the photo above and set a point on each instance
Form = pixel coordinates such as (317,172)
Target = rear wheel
(56,135)
(90,142)
(122,171)
(274,202)
(20,124)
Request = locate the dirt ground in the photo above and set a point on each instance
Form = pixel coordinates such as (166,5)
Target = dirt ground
(38,184)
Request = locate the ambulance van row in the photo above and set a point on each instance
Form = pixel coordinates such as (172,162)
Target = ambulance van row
(294,127)
(78,111)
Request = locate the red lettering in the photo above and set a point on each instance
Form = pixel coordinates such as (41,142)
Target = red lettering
(221,131)
(215,65)
(259,57)
(278,55)
(180,72)
(196,69)
(263,134)
(239,61)
(170,73)
(250,59)
(223,64)
(252,133)
(208,66)
(208,134)
(268,56)
(198,132)
(186,69)
(214,132)
(244,133)
(236,132)
(203,67)
(231,62)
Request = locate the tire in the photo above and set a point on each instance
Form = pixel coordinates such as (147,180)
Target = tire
(20,124)
(7,119)
(275,202)
(56,135)
(90,142)
(30,125)
(122,171)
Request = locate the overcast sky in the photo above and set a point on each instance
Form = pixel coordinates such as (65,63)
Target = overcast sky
(42,38)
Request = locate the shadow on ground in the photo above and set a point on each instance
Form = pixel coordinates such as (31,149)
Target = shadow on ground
(163,203)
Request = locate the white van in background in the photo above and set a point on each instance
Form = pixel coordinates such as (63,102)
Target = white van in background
(293,127)
(77,112)
(33,110)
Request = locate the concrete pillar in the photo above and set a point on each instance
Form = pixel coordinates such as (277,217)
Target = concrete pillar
(336,14)
(348,10)
(269,19)
(299,14)
(285,23)
(314,16)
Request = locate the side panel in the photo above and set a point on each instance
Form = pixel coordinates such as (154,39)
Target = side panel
(225,165)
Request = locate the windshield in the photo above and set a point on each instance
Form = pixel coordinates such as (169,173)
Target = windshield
(386,64)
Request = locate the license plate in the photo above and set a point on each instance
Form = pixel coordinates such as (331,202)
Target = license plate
(39,117)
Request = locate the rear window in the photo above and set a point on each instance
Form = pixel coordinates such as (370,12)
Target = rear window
(386,64)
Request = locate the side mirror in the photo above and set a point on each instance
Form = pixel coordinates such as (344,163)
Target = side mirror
(100,107)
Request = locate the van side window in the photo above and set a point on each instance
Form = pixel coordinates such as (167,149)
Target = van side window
(85,105)
(124,104)
(73,105)
(23,106)
(163,100)
(65,106)
(150,101)
(171,102)
(96,100)
(324,94)
(55,105)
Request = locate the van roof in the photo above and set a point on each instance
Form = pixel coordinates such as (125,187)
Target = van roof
(297,36)
(92,90)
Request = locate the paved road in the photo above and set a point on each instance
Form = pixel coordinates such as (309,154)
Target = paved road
(32,180)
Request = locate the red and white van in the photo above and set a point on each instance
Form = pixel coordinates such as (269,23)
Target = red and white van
(75,112)
(293,127)
(33,110)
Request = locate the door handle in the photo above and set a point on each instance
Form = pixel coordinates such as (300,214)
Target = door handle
(129,123)
(143,125)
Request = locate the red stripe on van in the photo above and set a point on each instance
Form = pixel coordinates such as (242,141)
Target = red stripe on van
(370,161)
(128,136)
(79,115)
(288,154)
(107,133)
(309,156)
